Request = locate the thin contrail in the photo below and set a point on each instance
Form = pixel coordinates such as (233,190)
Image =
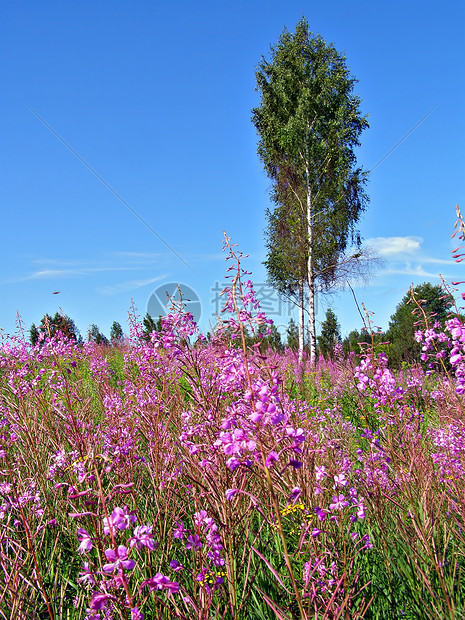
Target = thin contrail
(403,138)
(102,180)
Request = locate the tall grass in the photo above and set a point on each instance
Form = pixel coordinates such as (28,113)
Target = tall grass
(182,479)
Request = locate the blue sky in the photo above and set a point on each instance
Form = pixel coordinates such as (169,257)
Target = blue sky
(156,98)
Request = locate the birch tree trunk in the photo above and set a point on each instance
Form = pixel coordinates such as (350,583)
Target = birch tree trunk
(301,321)
(310,274)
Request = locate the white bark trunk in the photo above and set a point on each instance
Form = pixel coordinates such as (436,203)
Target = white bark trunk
(301,321)
(310,275)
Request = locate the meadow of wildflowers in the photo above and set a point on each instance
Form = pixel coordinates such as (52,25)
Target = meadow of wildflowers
(180,478)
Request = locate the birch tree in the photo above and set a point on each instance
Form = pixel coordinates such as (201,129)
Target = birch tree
(309,123)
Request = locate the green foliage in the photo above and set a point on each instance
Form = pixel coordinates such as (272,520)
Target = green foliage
(151,326)
(116,332)
(330,334)
(309,123)
(271,340)
(401,331)
(50,326)
(355,338)
(95,335)
(292,333)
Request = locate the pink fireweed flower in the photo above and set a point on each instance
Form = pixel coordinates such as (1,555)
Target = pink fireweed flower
(296,491)
(142,537)
(160,582)
(200,517)
(368,543)
(340,480)
(86,575)
(179,530)
(118,558)
(136,614)
(338,502)
(99,601)
(120,519)
(86,541)
(271,459)
(193,542)
(320,472)
(174,565)
(230,493)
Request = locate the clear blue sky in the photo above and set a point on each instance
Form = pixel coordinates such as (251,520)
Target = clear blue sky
(156,97)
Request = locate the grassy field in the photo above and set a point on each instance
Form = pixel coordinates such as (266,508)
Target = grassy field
(175,478)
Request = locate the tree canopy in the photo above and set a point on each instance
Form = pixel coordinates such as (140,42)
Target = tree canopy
(330,334)
(401,330)
(116,332)
(309,123)
(49,326)
(95,335)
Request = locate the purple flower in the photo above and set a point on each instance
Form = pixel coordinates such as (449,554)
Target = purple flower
(320,472)
(86,575)
(118,558)
(368,544)
(142,537)
(271,458)
(296,491)
(338,502)
(136,614)
(233,463)
(199,517)
(174,565)
(86,541)
(230,493)
(179,530)
(320,513)
(340,480)
(99,601)
(193,542)
(315,532)
(120,518)
(159,581)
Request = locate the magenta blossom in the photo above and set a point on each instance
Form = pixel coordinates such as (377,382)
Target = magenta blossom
(120,519)
(117,559)
(142,537)
(99,601)
(271,459)
(86,575)
(193,542)
(338,502)
(86,541)
(160,582)
(230,493)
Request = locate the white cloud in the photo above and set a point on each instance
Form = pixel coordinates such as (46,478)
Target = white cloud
(45,274)
(395,246)
(415,271)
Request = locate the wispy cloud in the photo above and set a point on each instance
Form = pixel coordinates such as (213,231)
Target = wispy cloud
(416,271)
(123,287)
(53,274)
(395,246)
(405,257)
